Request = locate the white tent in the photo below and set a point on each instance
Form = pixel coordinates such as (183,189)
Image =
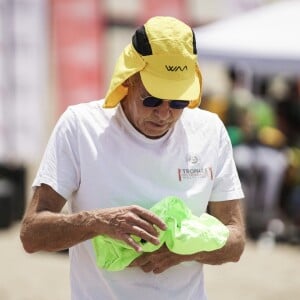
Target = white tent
(265,40)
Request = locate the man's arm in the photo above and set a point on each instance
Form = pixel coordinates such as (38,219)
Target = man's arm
(230,214)
(44,227)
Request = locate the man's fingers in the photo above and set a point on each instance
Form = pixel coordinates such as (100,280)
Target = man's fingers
(140,228)
(157,261)
(145,235)
(129,240)
(134,220)
(150,217)
(146,226)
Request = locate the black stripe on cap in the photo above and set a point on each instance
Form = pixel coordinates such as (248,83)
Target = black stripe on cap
(194,43)
(140,42)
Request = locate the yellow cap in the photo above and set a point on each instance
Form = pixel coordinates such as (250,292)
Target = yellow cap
(164,52)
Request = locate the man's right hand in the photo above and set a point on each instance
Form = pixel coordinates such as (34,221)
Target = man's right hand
(122,222)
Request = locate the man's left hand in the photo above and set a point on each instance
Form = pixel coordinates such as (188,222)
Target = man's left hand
(158,261)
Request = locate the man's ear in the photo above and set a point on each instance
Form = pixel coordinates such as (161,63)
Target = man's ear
(131,81)
(127,83)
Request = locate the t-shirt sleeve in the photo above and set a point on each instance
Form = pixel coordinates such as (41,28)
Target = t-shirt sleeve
(227,184)
(60,164)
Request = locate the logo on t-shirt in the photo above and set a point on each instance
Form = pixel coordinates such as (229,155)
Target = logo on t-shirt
(193,173)
(194,169)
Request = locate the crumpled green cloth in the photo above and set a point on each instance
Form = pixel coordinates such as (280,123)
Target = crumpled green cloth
(185,234)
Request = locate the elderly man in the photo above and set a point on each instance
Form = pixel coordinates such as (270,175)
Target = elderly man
(113,159)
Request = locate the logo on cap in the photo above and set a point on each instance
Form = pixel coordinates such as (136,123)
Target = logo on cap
(176,68)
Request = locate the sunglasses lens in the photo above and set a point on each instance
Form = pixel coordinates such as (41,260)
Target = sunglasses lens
(178,104)
(152,101)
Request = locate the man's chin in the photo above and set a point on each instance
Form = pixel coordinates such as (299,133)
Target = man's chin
(154,131)
(155,134)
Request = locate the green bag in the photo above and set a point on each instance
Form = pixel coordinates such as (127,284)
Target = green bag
(185,234)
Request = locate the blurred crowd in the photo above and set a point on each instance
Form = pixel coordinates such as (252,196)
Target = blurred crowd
(264,127)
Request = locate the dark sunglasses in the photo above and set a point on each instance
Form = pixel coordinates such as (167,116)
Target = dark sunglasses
(151,101)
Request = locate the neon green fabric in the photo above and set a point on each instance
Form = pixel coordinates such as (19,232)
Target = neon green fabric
(185,234)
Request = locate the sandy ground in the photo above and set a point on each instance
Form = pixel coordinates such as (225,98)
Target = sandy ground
(262,273)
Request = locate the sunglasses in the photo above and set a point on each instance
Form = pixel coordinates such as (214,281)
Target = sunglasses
(151,101)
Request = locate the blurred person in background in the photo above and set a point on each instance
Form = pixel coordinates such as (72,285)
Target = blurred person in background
(260,151)
(111,160)
(286,92)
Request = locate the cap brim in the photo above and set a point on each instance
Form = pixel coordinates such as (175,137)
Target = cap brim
(185,89)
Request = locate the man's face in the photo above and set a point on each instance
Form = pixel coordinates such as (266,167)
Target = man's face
(153,122)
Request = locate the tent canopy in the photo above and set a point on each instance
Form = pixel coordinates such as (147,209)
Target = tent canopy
(265,40)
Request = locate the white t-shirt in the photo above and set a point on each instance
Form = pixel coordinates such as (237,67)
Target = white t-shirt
(96,159)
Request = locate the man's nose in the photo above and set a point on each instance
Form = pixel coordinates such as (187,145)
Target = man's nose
(163,111)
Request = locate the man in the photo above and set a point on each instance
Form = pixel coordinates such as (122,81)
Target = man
(113,159)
